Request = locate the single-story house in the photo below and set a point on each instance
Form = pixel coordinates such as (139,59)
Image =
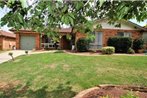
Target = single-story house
(28,39)
(31,40)
(7,40)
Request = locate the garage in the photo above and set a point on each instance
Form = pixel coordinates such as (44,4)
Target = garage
(27,42)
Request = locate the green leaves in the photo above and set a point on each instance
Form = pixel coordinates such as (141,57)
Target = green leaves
(65,8)
(121,11)
(23,3)
(78,5)
(50,14)
(68,19)
(101,2)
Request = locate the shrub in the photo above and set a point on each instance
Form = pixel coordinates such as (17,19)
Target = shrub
(82,45)
(138,44)
(130,51)
(26,52)
(121,44)
(108,50)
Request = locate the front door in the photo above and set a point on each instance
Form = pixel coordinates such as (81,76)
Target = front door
(65,43)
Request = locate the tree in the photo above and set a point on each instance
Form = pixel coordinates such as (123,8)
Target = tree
(49,15)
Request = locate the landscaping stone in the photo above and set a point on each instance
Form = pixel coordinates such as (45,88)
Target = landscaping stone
(113,91)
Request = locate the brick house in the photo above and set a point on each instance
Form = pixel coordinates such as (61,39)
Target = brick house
(7,40)
(28,40)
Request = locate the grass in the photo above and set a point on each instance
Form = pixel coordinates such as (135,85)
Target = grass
(53,69)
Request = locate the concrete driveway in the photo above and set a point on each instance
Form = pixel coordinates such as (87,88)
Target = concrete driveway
(5,57)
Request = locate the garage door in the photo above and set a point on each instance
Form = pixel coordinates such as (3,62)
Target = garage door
(27,42)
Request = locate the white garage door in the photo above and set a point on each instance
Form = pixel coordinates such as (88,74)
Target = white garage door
(27,42)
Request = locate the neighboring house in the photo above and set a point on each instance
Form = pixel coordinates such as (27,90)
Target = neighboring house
(28,40)
(31,40)
(7,40)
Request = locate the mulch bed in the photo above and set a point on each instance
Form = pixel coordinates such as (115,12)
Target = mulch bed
(113,91)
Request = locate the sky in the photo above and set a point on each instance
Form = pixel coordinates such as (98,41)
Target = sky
(5,10)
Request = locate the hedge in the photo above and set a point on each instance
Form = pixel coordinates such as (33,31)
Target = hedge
(121,44)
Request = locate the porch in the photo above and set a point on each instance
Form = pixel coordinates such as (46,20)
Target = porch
(47,43)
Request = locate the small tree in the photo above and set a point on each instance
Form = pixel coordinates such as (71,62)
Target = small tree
(11,54)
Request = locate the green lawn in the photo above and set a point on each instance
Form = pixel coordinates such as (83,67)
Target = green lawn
(53,69)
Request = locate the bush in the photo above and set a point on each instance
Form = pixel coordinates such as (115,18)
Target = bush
(138,44)
(121,44)
(130,51)
(82,45)
(108,50)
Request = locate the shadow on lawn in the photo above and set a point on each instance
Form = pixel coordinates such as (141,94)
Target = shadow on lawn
(61,91)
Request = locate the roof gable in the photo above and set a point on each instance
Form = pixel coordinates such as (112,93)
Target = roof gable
(125,25)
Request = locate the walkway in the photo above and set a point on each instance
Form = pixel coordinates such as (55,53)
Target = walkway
(5,57)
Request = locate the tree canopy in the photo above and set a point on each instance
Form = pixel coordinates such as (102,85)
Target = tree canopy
(48,15)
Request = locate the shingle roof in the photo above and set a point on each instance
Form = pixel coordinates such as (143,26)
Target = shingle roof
(61,30)
(7,34)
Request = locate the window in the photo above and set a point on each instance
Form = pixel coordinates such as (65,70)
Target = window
(97,41)
(124,34)
(145,37)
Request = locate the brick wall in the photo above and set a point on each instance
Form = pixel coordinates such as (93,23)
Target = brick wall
(8,43)
(1,42)
(111,33)
(17,41)
(80,35)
